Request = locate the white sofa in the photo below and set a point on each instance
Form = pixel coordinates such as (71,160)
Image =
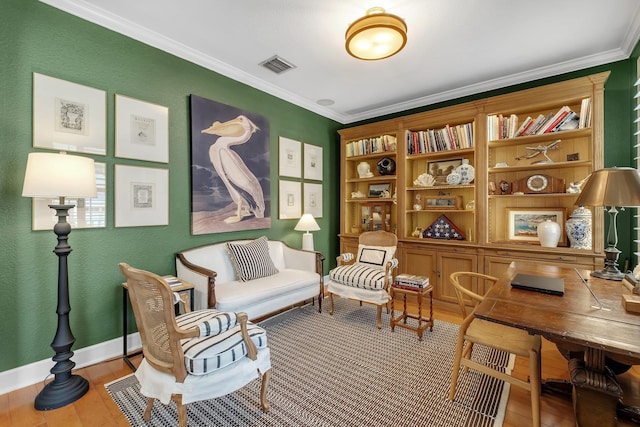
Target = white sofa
(211,270)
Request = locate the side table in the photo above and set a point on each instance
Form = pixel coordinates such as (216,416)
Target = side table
(398,292)
(185,289)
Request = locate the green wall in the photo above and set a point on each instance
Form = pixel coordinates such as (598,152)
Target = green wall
(37,38)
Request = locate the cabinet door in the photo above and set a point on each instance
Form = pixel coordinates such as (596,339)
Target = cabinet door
(496,266)
(420,262)
(450,262)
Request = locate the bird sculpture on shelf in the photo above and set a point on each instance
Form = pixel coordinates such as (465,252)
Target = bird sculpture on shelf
(541,149)
(242,184)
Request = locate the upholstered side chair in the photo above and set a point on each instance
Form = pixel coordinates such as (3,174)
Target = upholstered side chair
(368,276)
(477,331)
(194,356)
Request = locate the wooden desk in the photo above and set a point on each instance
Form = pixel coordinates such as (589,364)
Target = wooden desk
(575,326)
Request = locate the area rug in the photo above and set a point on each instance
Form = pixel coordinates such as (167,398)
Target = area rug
(341,370)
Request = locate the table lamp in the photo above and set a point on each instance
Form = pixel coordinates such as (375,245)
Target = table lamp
(612,188)
(307,223)
(60,175)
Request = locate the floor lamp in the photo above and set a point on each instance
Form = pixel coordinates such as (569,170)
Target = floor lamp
(611,187)
(307,223)
(60,175)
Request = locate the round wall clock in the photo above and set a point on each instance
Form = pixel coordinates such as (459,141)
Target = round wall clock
(537,183)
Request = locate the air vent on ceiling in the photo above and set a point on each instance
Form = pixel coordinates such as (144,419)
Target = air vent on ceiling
(277,64)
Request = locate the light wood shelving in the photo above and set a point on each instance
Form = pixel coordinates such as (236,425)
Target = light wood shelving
(478,209)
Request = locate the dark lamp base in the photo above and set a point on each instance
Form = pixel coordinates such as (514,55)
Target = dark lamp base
(57,394)
(608,274)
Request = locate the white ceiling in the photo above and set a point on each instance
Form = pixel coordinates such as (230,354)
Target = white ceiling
(455,47)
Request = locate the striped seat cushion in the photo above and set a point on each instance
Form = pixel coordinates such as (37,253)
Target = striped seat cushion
(203,355)
(359,276)
(210,321)
(251,260)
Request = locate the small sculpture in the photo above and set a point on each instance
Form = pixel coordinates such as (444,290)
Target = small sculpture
(357,195)
(574,187)
(364,170)
(386,166)
(385,194)
(541,149)
(424,180)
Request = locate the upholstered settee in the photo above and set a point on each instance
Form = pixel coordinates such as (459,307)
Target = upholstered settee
(258,277)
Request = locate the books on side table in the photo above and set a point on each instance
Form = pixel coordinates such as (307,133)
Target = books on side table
(411,282)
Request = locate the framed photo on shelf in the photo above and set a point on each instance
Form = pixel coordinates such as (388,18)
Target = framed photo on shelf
(142,130)
(440,169)
(312,199)
(522,223)
(68,116)
(312,162)
(290,162)
(88,212)
(443,202)
(380,190)
(141,196)
(290,199)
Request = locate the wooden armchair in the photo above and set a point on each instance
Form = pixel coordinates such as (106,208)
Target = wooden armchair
(369,276)
(477,331)
(195,356)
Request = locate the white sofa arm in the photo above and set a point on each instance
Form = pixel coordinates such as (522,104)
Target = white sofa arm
(299,259)
(202,279)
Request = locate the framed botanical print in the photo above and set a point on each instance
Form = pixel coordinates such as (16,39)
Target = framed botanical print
(290,161)
(312,162)
(142,130)
(68,116)
(141,196)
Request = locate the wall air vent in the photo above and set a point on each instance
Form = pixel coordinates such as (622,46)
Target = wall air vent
(277,64)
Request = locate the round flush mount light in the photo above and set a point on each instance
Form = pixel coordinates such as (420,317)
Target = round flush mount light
(377,35)
(325,102)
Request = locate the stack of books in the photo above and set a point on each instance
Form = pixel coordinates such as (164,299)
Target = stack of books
(411,282)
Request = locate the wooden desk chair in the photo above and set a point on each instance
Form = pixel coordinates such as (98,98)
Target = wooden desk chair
(477,331)
(195,356)
(368,278)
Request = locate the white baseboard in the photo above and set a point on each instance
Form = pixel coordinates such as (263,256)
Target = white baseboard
(32,373)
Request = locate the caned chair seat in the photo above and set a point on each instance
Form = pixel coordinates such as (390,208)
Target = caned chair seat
(199,355)
(501,337)
(367,276)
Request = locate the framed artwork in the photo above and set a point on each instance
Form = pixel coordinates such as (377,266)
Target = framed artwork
(290,162)
(312,199)
(312,162)
(380,190)
(68,116)
(88,212)
(522,223)
(440,169)
(142,130)
(141,196)
(290,199)
(230,168)
(443,202)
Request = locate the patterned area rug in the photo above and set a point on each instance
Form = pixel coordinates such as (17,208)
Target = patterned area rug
(341,370)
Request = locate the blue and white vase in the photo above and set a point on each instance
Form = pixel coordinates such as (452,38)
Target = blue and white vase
(578,228)
(466,172)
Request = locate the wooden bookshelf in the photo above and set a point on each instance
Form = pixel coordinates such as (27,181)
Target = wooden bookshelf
(478,209)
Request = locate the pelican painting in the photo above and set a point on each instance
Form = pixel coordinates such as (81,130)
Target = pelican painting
(242,185)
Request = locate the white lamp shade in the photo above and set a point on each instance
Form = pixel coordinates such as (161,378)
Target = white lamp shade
(59,175)
(307,223)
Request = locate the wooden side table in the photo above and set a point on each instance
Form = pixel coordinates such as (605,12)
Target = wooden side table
(185,290)
(401,320)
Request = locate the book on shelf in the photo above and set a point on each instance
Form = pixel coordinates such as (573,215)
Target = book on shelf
(550,124)
(448,138)
(585,113)
(380,144)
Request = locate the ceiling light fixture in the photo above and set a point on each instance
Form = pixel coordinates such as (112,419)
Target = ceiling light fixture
(377,35)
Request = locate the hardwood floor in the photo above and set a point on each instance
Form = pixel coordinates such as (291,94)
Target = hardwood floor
(97,409)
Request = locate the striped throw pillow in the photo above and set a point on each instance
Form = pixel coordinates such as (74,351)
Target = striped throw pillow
(251,260)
